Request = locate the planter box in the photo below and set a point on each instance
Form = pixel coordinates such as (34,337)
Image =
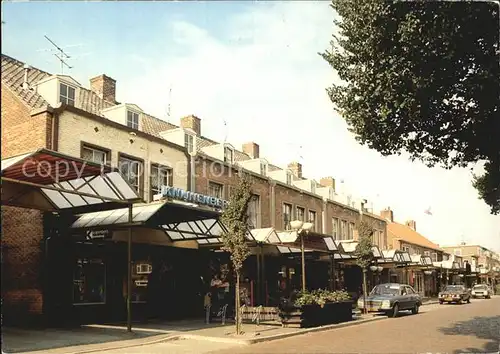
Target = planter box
(314,315)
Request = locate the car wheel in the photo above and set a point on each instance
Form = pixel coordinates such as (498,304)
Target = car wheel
(414,310)
(459,302)
(468,300)
(488,297)
(441,302)
(395,310)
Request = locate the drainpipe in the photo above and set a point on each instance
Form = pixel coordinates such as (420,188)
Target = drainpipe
(192,172)
(272,185)
(323,216)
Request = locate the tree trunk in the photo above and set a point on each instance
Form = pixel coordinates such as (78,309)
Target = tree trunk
(364,291)
(237,304)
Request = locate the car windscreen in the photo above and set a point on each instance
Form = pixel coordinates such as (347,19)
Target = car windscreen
(480,287)
(454,288)
(385,290)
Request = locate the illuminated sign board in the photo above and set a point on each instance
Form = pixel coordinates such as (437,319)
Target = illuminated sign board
(191,197)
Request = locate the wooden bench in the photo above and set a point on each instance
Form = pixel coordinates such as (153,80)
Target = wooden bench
(260,314)
(292,319)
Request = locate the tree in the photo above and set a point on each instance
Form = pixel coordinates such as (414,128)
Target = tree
(422,77)
(234,218)
(364,253)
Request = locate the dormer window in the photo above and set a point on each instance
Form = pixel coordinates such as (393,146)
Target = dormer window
(67,94)
(133,120)
(228,155)
(288,178)
(189,143)
(263,169)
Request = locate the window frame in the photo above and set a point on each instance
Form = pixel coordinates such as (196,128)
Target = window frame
(190,146)
(303,209)
(121,156)
(209,182)
(263,169)
(315,222)
(336,230)
(344,232)
(132,112)
(84,145)
(258,210)
(66,97)
(231,150)
(170,182)
(286,227)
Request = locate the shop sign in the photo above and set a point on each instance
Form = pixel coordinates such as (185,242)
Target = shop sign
(191,197)
(98,234)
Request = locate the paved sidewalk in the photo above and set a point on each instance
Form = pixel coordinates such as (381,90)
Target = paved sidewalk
(97,338)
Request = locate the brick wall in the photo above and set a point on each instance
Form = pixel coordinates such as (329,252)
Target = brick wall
(22,133)
(208,170)
(22,235)
(76,129)
(297,198)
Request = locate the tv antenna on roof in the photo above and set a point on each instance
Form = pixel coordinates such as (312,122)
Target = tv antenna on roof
(169,106)
(60,54)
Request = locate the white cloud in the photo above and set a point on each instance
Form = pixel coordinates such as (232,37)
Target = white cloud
(267,81)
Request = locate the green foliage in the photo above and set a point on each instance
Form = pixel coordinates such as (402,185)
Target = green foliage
(422,77)
(234,218)
(363,251)
(321,297)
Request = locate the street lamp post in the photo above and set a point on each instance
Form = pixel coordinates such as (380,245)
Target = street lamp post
(299,226)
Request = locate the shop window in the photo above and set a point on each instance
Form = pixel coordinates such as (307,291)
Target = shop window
(160,176)
(89,282)
(287,216)
(215,190)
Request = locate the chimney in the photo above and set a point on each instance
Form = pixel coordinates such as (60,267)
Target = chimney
(296,168)
(104,87)
(412,224)
(251,149)
(26,86)
(327,182)
(387,214)
(192,122)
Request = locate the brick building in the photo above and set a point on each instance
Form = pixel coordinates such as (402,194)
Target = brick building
(405,237)
(58,113)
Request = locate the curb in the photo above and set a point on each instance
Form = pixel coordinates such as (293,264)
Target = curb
(178,336)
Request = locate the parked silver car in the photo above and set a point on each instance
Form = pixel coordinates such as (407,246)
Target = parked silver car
(481,290)
(392,298)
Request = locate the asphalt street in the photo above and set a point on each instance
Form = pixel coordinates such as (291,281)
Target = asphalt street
(467,328)
(453,329)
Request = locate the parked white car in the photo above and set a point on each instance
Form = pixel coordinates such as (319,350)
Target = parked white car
(481,290)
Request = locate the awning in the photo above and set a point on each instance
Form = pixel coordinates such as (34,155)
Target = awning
(179,221)
(421,260)
(350,247)
(51,181)
(289,241)
(395,256)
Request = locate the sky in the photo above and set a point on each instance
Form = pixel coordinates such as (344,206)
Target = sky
(251,72)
